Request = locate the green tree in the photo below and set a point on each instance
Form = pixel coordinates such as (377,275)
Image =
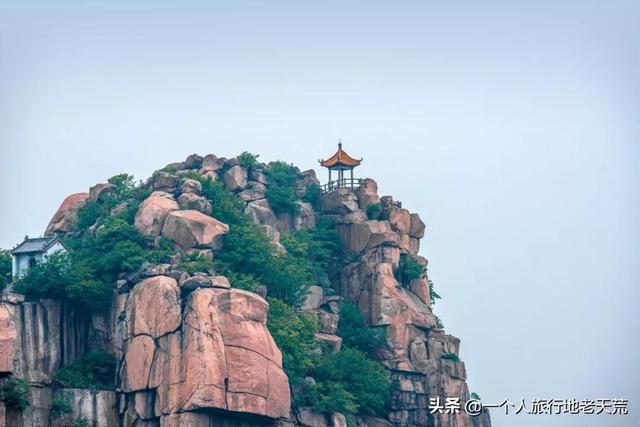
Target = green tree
(125,187)
(14,392)
(409,269)
(281,192)
(251,256)
(319,245)
(351,383)
(5,267)
(95,370)
(294,334)
(312,195)
(60,406)
(373,211)
(248,160)
(450,356)
(354,331)
(433,295)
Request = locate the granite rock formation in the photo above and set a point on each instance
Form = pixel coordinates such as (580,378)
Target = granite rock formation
(193,351)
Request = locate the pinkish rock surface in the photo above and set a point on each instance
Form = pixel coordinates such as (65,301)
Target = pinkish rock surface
(153,211)
(367,193)
(66,216)
(235,179)
(190,229)
(153,307)
(193,201)
(222,357)
(190,186)
(8,336)
(139,352)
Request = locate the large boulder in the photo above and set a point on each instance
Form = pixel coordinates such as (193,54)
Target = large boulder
(235,178)
(100,191)
(254,191)
(314,298)
(153,307)
(66,217)
(190,229)
(308,418)
(399,219)
(190,186)
(340,202)
(193,201)
(194,161)
(211,164)
(153,211)
(261,213)
(392,304)
(416,229)
(258,175)
(366,235)
(223,358)
(305,218)
(164,181)
(367,193)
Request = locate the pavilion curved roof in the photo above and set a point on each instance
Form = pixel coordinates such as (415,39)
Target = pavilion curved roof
(340,158)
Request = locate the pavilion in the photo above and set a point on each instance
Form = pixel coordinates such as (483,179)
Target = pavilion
(340,162)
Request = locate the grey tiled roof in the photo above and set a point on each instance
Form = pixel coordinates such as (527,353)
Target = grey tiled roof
(37,244)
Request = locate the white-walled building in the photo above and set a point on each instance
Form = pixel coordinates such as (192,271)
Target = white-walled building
(32,251)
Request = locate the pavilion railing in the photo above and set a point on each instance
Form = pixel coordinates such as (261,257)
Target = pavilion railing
(350,183)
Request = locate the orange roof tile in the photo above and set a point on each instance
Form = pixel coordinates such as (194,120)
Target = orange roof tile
(340,158)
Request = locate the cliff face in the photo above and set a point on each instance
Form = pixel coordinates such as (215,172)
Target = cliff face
(193,351)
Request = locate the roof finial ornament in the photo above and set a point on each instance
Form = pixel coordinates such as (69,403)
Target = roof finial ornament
(340,142)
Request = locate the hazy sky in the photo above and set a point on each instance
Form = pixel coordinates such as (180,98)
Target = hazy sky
(511,128)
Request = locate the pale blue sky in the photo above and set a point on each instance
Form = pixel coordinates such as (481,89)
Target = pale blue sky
(511,128)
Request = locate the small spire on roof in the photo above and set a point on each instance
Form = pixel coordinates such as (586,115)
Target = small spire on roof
(340,159)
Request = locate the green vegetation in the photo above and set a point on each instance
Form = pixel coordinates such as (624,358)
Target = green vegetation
(125,192)
(433,295)
(373,211)
(409,269)
(281,192)
(95,370)
(169,169)
(106,245)
(250,258)
(86,273)
(312,195)
(81,422)
(354,331)
(59,406)
(5,268)
(475,396)
(321,248)
(14,393)
(450,356)
(59,278)
(294,335)
(350,383)
(347,381)
(248,160)
(193,263)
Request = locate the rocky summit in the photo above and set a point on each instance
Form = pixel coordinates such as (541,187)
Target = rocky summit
(229,292)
